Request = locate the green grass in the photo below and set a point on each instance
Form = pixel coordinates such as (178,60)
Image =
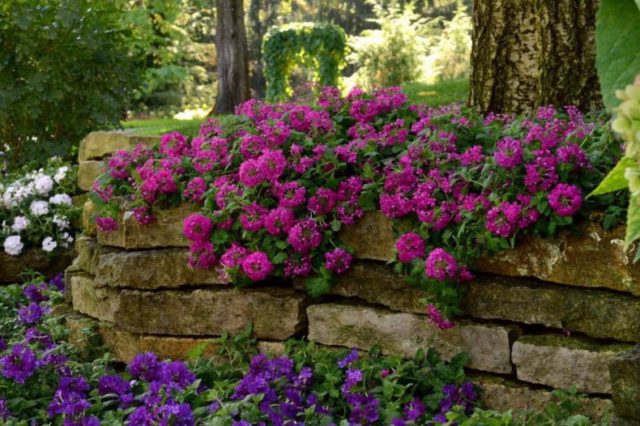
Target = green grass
(159,126)
(440,93)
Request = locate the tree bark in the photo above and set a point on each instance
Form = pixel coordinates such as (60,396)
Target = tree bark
(529,53)
(232,56)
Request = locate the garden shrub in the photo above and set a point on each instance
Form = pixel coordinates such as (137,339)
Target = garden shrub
(65,70)
(319,47)
(36,208)
(278,182)
(392,54)
(45,380)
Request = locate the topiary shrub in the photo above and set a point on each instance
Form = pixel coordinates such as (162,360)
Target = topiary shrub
(320,47)
(65,69)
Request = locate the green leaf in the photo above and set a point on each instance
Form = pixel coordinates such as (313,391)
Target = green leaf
(615,180)
(617,47)
(197,351)
(633,221)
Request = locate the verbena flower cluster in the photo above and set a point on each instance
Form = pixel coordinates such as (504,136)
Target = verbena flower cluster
(36,209)
(44,380)
(277,183)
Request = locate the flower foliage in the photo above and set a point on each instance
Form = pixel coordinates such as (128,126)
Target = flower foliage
(45,380)
(280,181)
(36,209)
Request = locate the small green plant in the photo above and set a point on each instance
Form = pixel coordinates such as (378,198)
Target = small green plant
(319,47)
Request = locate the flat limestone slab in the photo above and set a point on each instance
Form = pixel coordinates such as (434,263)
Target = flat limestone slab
(88,172)
(165,231)
(597,313)
(151,269)
(588,257)
(502,394)
(276,313)
(563,362)
(96,145)
(625,381)
(403,334)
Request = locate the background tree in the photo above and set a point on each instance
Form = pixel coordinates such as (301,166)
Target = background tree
(232,56)
(531,53)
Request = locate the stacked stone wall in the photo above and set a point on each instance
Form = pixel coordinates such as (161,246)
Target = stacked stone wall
(549,314)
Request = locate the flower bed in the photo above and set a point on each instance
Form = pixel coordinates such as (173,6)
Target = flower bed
(43,379)
(276,186)
(36,220)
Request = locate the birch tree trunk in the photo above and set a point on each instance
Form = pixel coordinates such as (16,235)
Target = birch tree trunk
(232,56)
(528,53)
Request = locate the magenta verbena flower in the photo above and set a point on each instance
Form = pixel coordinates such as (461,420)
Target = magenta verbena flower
(106,224)
(201,255)
(437,319)
(257,266)
(410,246)
(508,153)
(504,219)
(338,260)
(279,221)
(305,236)
(441,265)
(234,256)
(565,199)
(197,227)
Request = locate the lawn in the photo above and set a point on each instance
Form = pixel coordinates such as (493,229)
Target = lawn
(441,93)
(159,126)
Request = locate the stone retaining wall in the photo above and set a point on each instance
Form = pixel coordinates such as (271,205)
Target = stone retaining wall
(524,336)
(551,313)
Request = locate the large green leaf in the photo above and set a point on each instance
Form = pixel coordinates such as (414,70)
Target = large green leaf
(615,180)
(617,46)
(633,222)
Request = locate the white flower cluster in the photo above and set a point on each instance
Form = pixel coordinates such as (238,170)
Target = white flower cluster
(36,209)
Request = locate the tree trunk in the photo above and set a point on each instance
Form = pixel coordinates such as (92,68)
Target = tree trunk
(528,53)
(232,58)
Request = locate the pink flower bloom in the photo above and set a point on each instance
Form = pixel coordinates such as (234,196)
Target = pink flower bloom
(409,247)
(350,189)
(201,255)
(252,217)
(279,221)
(541,174)
(349,213)
(252,146)
(297,266)
(337,260)
(234,256)
(440,265)
(143,215)
(395,205)
(322,202)
(119,164)
(305,236)
(472,156)
(508,153)
(437,319)
(173,144)
(195,190)
(272,164)
(291,194)
(197,227)
(107,224)
(257,266)
(251,173)
(565,199)
(573,154)
(503,220)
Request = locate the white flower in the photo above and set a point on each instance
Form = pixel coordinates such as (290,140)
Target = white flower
(13,245)
(48,244)
(61,222)
(66,240)
(60,199)
(43,184)
(39,207)
(60,174)
(19,223)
